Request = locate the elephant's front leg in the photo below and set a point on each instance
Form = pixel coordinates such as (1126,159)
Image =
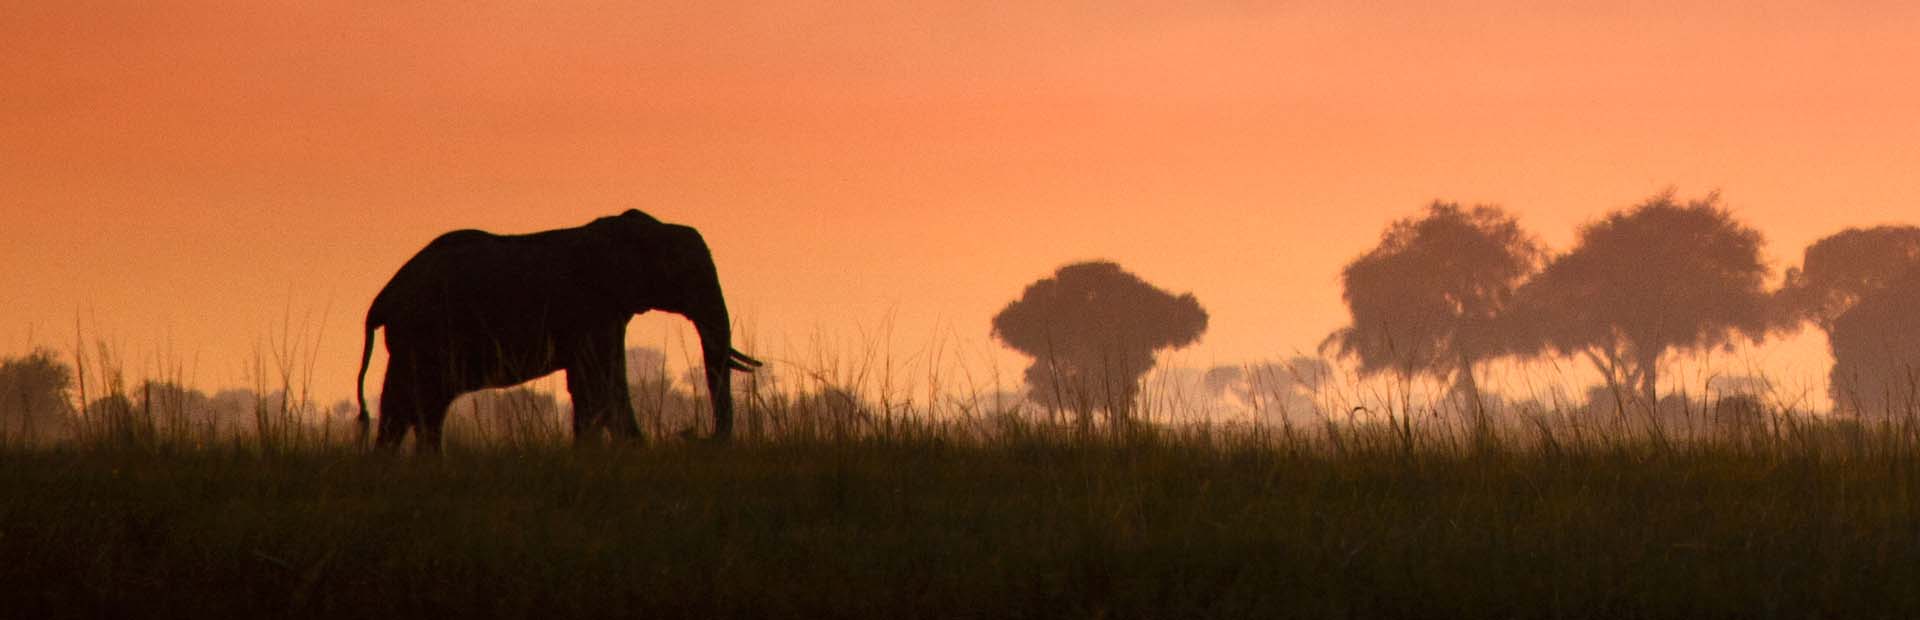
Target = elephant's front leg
(597,380)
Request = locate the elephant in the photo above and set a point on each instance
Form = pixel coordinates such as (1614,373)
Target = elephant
(476,310)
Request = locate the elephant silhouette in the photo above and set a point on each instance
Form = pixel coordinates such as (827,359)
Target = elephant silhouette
(475,310)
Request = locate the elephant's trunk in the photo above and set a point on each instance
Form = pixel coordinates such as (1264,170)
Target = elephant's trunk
(716,352)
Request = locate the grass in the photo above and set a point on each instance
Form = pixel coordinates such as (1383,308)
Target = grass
(1205,522)
(866,500)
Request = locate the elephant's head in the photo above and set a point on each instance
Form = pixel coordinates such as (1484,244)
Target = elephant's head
(651,265)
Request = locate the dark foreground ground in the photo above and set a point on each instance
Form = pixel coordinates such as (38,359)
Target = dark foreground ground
(917,529)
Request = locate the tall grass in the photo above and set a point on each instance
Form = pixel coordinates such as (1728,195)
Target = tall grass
(881,486)
(873,394)
(1199,521)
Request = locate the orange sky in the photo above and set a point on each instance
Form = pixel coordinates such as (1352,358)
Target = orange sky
(183,175)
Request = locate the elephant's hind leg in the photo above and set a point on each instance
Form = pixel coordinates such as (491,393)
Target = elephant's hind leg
(399,410)
(433,417)
(408,403)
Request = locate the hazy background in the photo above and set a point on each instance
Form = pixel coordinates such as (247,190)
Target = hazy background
(188,178)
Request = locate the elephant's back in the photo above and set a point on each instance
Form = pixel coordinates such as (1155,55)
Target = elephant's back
(463,268)
(482,259)
(458,238)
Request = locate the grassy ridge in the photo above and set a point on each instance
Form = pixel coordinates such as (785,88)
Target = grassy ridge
(1154,526)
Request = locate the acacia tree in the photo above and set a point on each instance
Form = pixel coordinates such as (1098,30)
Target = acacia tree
(1427,299)
(1092,330)
(1661,276)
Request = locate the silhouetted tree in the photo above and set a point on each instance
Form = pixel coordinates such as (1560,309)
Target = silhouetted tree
(833,409)
(666,404)
(115,417)
(1876,352)
(343,410)
(1657,277)
(239,410)
(1283,390)
(243,411)
(177,410)
(1092,330)
(36,398)
(647,364)
(515,414)
(1836,274)
(1838,271)
(1426,300)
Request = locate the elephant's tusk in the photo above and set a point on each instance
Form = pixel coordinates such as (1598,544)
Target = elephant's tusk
(740,361)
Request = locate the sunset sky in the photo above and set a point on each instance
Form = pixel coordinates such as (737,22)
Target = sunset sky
(181,177)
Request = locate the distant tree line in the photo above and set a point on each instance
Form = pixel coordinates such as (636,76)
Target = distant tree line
(39,402)
(1445,293)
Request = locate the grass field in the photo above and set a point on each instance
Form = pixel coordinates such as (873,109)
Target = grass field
(1819,520)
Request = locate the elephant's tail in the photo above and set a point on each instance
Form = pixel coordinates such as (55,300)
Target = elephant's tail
(360,385)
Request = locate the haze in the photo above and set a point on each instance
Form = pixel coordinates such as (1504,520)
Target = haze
(183,177)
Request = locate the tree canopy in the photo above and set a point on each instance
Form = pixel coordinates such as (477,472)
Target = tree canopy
(1844,268)
(1658,277)
(1092,330)
(36,398)
(1427,299)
